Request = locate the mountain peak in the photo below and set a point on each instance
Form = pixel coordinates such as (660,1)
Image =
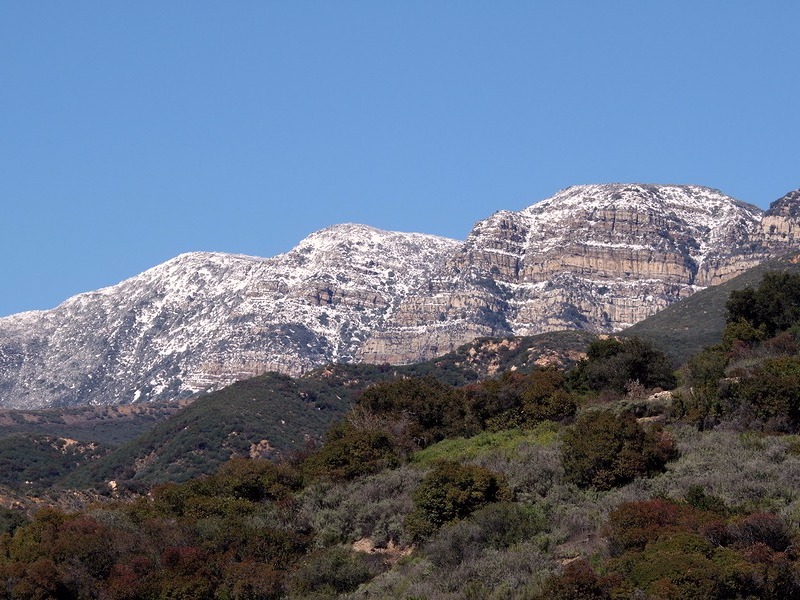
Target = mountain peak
(787,205)
(355,233)
(592,257)
(637,196)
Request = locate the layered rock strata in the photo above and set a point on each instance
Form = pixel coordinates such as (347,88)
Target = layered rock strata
(598,258)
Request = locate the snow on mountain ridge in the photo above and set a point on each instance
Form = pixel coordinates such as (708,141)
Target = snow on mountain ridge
(707,206)
(592,257)
(205,319)
(706,213)
(597,257)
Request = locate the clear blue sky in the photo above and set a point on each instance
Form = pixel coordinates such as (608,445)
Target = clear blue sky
(133,131)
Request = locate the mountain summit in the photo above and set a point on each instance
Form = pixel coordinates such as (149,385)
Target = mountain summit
(595,257)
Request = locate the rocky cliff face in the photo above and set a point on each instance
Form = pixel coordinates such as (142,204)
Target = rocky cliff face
(204,320)
(780,227)
(597,258)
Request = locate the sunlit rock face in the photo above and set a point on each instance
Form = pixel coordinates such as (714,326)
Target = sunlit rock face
(598,257)
(203,320)
(780,227)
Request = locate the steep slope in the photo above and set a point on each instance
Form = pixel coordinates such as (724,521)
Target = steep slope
(597,258)
(686,327)
(204,320)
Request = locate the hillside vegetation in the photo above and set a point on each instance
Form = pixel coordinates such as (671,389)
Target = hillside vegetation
(274,415)
(560,483)
(686,327)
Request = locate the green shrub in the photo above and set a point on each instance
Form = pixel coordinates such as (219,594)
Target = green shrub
(428,409)
(495,526)
(515,400)
(769,394)
(612,364)
(350,452)
(773,306)
(698,498)
(604,450)
(451,492)
(741,331)
(10,519)
(698,401)
(545,397)
(375,507)
(332,571)
(257,479)
(497,404)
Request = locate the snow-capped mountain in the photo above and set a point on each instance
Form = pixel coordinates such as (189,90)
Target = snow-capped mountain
(203,320)
(598,257)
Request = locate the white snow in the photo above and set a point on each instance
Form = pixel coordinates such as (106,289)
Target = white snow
(204,319)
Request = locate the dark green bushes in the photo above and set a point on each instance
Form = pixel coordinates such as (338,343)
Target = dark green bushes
(613,364)
(429,409)
(604,450)
(11,519)
(327,573)
(517,400)
(752,378)
(257,480)
(772,307)
(545,397)
(351,451)
(451,492)
(754,392)
(768,394)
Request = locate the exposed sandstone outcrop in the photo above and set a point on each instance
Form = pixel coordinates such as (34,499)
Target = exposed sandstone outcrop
(780,226)
(597,258)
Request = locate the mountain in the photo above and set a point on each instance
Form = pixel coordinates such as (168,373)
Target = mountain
(204,320)
(597,258)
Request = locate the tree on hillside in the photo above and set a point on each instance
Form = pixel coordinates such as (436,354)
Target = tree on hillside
(604,450)
(612,364)
(773,306)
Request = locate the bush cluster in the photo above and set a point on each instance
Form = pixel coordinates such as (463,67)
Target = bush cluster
(667,549)
(772,307)
(612,364)
(451,491)
(604,450)
(428,411)
(752,378)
